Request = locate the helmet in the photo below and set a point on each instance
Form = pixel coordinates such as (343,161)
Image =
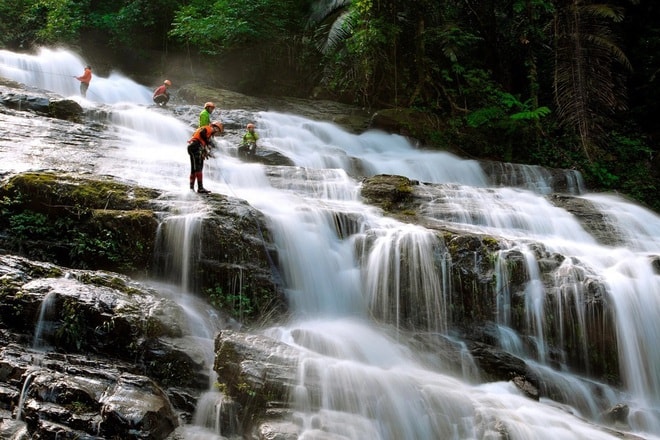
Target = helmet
(167,82)
(209,104)
(218,125)
(250,125)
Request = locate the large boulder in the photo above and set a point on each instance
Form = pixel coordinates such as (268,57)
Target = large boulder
(79,221)
(40,102)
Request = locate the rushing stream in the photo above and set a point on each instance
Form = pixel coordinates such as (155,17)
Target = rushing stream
(373,385)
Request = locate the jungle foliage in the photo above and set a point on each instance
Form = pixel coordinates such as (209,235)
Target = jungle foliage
(560,83)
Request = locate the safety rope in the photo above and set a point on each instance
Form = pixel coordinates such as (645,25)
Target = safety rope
(55,74)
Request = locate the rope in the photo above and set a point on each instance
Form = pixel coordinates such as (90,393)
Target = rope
(55,74)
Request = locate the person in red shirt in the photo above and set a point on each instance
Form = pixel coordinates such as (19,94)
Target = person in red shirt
(199,148)
(85,79)
(161,95)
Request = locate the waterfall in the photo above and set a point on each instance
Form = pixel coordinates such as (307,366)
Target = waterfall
(55,70)
(346,267)
(43,321)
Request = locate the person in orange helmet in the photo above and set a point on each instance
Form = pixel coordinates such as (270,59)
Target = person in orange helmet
(85,79)
(161,94)
(199,149)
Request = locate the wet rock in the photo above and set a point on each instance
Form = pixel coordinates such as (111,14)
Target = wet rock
(79,221)
(258,372)
(136,405)
(268,157)
(590,218)
(526,387)
(392,193)
(43,103)
(101,313)
(68,396)
(65,109)
(618,414)
(350,117)
(499,365)
(548,180)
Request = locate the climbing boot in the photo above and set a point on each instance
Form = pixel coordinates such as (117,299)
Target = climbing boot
(203,191)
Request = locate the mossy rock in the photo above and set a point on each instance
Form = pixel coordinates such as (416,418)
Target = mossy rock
(66,109)
(391,193)
(48,190)
(74,221)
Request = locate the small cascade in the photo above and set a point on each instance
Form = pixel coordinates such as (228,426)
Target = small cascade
(583,396)
(469,369)
(534,306)
(534,178)
(218,413)
(177,253)
(177,246)
(401,283)
(29,377)
(44,321)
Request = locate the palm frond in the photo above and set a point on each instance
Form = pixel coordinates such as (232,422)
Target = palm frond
(587,86)
(340,30)
(322,9)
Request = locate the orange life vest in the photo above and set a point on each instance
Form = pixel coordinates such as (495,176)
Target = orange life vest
(86,77)
(202,135)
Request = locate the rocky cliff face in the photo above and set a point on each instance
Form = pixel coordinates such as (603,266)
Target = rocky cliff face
(114,359)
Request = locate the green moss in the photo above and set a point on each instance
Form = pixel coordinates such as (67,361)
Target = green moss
(78,222)
(239,305)
(72,330)
(107,281)
(78,407)
(491,243)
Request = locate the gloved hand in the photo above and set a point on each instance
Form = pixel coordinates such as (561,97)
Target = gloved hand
(206,153)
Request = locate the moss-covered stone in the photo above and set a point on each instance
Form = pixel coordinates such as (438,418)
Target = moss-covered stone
(42,191)
(75,221)
(391,193)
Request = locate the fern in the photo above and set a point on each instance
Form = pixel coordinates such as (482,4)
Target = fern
(531,115)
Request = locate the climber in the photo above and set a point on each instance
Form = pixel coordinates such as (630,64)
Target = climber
(248,146)
(161,94)
(199,149)
(205,115)
(85,79)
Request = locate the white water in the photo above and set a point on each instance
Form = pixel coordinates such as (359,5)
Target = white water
(55,70)
(373,385)
(44,320)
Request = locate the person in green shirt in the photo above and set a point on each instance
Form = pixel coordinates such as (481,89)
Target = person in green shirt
(249,145)
(205,115)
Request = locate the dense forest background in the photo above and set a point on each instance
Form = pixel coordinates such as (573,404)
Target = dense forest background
(558,83)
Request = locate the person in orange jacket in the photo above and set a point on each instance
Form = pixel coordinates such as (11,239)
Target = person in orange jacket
(199,149)
(85,79)
(161,94)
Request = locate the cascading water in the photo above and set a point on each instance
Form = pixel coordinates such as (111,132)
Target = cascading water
(55,70)
(339,276)
(44,320)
